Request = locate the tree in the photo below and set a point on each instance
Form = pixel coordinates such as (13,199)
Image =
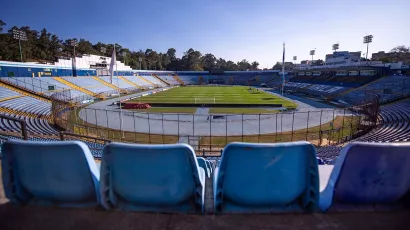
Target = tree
(400,49)
(209,61)
(277,66)
(1,25)
(192,60)
(171,54)
(43,46)
(244,65)
(255,65)
(319,62)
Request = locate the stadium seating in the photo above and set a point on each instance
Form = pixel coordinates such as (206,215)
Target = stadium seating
(265,178)
(204,165)
(89,84)
(152,178)
(56,174)
(388,88)
(394,124)
(369,176)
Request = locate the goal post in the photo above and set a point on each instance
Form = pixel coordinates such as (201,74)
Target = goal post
(204,100)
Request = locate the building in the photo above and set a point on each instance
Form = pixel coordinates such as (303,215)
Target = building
(391,57)
(343,58)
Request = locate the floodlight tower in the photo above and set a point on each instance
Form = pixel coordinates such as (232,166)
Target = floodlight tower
(123,54)
(103,50)
(73,43)
(140,60)
(335,47)
(366,40)
(312,53)
(294,59)
(21,36)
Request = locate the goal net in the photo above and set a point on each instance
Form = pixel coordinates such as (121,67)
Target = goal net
(204,100)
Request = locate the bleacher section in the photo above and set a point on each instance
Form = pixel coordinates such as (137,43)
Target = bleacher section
(138,81)
(89,83)
(41,85)
(388,88)
(394,124)
(315,89)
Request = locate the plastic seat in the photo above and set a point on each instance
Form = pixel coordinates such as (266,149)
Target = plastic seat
(152,178)
(367,175)
(50,173)
(202,163)
(267,178)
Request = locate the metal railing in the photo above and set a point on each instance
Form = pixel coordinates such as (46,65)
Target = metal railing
(211,132)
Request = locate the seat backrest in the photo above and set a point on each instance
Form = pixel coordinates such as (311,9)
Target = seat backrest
(208,164)
(50,173)
(202,163)
(151,178)
(267,178)
(369,173)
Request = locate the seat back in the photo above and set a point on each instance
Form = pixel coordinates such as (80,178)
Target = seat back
(369,173)
(151,178)
(261,178)
(202,163)
(50,173)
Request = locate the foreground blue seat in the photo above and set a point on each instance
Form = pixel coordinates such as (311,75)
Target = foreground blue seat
(152,178)
(267,178)
(50,173)
(369,176)
(202,163)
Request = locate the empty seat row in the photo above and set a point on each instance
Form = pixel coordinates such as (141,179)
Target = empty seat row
(250,178)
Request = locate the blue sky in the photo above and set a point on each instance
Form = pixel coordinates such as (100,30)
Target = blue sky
(234,29)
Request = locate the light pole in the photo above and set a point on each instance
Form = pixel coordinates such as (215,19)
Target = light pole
(335,47)
(103,50)
(123,54)
(73,43)
(140,60)
(366,40)
(20,35)
(312,53)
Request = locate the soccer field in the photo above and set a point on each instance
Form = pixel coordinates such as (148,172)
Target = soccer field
(215,95)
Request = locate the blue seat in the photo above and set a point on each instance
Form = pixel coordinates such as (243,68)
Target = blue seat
(152,178)
(208,164)
(267,178)
(50,173)
(369,174)
(202,163)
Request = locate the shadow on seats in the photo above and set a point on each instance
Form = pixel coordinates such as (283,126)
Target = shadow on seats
(266,178)
(369,176)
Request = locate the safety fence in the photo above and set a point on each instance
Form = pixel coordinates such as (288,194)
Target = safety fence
(209,133)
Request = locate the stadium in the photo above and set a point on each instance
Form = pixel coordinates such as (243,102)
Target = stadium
(81,133)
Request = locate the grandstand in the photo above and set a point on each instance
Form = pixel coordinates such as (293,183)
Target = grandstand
(194,158)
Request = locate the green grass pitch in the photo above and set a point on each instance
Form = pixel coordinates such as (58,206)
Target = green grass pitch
(215,94)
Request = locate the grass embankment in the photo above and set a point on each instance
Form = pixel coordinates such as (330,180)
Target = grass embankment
(215,95)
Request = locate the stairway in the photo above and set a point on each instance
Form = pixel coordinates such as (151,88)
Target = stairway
(166,83)
(178,79)
(108,84)
(74,86)
(20,91)
(130,82)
